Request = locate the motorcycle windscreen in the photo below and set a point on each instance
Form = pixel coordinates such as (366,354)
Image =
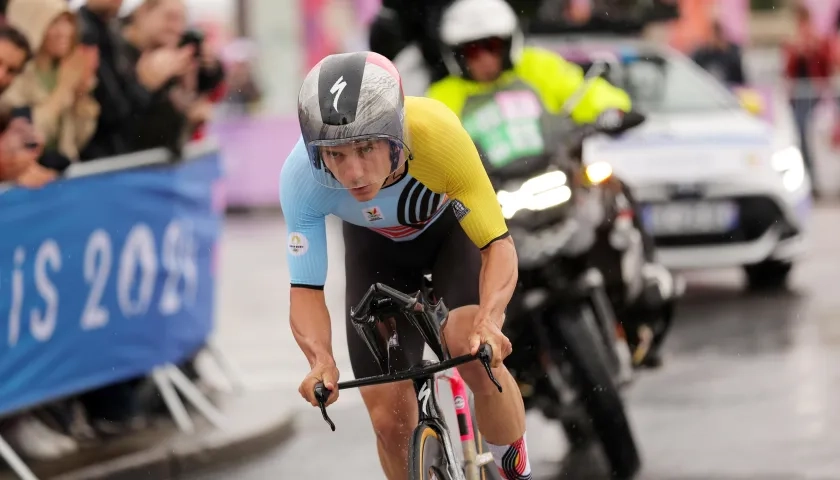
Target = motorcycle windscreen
(507,125)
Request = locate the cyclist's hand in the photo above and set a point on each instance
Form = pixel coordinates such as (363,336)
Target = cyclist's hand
(327,373)
(485,330)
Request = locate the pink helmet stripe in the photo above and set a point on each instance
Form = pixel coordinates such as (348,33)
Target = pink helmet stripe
(387,65)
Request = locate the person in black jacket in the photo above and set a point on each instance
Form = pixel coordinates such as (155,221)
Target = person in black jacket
(123,89)
(721,58)
(402,22)
(179,103)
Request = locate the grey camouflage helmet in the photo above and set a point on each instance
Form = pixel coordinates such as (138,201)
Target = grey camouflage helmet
(351,96)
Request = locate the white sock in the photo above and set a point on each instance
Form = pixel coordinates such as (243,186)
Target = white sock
(512,460)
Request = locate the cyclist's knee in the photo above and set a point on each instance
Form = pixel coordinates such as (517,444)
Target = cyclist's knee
(459,326)
(393,413)
(456,334)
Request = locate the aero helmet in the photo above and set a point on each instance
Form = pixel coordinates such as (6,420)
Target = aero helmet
(348,98)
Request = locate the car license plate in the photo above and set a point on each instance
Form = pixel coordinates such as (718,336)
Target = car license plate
(690,218)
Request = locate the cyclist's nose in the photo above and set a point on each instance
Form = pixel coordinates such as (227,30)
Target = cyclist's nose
(354,170)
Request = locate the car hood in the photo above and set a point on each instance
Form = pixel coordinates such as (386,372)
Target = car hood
(682,146)
(682,129)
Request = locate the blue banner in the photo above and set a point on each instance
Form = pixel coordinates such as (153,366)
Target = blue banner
(104,277)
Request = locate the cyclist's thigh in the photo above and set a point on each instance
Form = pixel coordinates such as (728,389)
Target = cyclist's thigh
(370,258)
(457,267)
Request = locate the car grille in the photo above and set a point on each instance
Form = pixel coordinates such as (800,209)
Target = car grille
(757,215)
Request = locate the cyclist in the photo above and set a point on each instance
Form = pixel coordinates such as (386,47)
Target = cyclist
(486,52)
(407,181)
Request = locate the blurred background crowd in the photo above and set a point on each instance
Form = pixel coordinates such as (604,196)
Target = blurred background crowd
(86,80)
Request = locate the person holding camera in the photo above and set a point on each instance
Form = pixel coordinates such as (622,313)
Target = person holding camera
(175,65)
(57,83)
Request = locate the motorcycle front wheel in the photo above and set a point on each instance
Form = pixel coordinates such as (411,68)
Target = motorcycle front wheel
(598,393)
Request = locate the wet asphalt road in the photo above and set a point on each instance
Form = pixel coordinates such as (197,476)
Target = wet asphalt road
(750,390)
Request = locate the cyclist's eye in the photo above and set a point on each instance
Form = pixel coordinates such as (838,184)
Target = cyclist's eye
(367,149)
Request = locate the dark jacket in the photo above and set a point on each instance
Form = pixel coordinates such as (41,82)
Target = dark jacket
(725,64)
(402,22)
(118,92)
(161,123)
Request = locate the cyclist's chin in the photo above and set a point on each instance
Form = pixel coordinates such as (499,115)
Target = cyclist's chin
(364,194)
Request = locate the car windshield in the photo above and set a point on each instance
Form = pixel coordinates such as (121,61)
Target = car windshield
(658,85)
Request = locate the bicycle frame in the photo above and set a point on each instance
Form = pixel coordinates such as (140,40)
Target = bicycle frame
(381,304)
(460,397)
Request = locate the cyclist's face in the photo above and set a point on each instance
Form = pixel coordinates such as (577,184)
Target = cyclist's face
(361,167)
(484,59)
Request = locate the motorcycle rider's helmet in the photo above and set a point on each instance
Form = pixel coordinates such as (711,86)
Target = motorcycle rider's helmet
(471,24)
(354,99)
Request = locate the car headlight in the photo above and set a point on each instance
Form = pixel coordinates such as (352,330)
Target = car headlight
(788,162)
(538,193)
(597,172)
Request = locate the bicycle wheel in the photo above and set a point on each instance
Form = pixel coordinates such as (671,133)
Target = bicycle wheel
(426,456)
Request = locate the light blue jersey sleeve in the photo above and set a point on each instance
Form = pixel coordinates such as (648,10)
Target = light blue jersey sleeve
(305,205)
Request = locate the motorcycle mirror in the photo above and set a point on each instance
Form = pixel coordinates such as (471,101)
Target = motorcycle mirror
(615,121)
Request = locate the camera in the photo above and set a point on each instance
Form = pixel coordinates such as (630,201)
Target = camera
(194,38)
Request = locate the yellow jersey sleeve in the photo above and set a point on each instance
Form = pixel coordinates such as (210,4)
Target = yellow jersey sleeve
(446,161)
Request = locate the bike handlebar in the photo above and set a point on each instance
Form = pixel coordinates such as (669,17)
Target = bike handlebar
(484,355)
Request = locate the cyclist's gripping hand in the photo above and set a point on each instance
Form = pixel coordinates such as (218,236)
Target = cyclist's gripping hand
(326,373)
(487,331)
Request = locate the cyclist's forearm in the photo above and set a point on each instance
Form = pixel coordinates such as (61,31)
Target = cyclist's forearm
(311,327)
(498,278)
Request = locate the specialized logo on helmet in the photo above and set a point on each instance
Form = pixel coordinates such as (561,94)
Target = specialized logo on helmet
(337,89)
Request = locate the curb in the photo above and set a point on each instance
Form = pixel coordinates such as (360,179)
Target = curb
(200,451)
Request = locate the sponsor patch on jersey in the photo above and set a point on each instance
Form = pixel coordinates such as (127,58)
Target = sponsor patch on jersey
(459,402)
(373,214)
(298,243)
(459,209)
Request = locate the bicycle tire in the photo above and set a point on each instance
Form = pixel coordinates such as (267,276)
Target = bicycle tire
(426,456)
(600,397)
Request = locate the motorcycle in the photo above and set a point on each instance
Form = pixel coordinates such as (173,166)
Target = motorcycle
(568,358)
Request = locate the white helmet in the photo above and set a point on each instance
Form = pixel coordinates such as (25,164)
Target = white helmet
(467,21)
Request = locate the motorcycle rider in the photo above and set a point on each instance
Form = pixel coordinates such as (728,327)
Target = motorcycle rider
(485,51)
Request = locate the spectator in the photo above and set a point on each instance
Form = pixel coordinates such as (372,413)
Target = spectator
(181,103)
(402,22)
(124,90)
(19,142)
(808,67)
(57,84)
(721,58)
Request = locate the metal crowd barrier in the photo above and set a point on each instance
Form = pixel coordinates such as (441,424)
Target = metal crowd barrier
(106,275)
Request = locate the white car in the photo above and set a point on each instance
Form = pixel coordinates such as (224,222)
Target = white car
(719,187)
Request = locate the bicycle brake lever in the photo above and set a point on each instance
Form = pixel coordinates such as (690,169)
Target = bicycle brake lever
(485,354)
(322,395)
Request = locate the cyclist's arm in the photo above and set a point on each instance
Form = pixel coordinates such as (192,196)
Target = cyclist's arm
(306,253)
(567,82)
(464,179)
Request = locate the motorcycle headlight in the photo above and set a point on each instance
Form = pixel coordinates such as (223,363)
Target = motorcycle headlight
(598,172)
(788,162)
(538,193)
